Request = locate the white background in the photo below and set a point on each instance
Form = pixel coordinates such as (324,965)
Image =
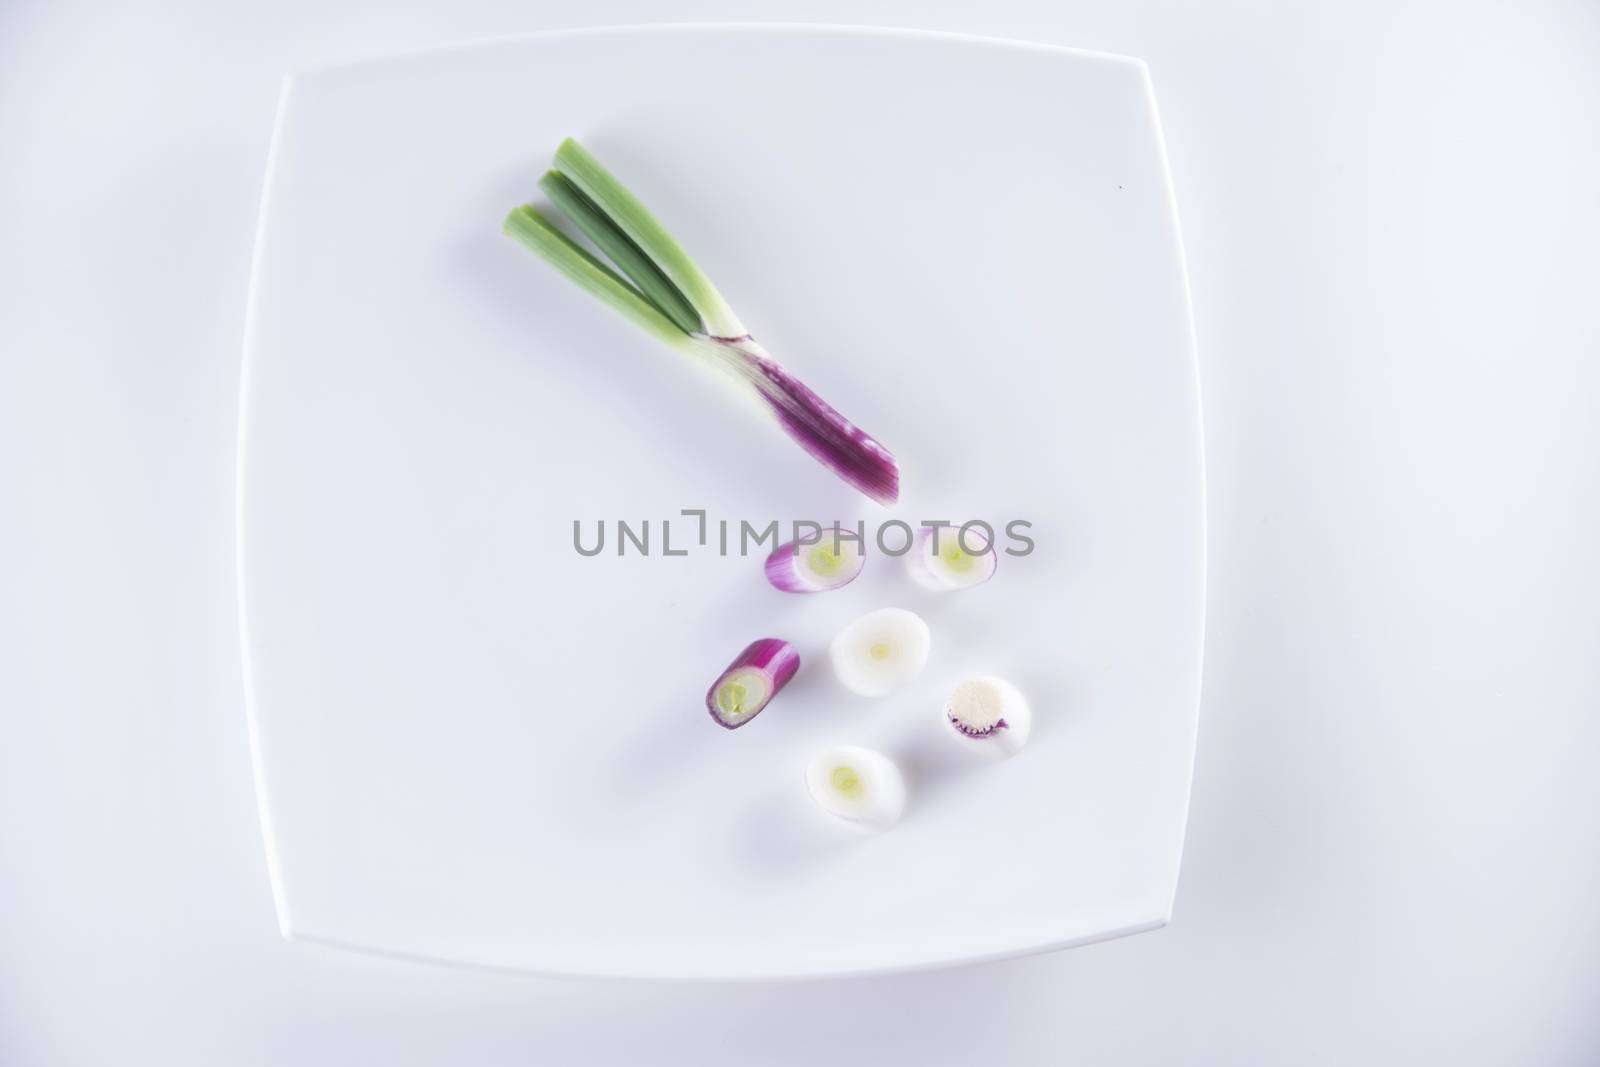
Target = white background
(1392,215)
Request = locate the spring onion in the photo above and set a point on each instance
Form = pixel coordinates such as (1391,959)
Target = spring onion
(949,557)
(990,715)
(881,651)
(831,562)
(751,681)
(656,284)
(857,784)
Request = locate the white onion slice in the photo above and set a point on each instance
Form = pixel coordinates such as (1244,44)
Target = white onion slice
(990,715)
(880,651)
(857,784)
(940,560)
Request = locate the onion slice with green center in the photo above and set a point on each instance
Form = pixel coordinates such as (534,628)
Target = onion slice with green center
(881,651)
(940,558)
(831,563)
(857,784)
(662,290)
(989,715)
(751,681)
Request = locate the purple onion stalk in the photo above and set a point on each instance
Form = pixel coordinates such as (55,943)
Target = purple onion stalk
(751,681)
(831,561)
(653,281)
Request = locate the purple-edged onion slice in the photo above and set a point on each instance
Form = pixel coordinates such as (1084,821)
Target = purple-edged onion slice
(990,715)
(857,784)
(830,563)
(751,681)
(944,558)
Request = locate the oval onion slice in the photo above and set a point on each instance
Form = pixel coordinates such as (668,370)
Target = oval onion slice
(858,784)
(880,651)
(939,559)
(830,563)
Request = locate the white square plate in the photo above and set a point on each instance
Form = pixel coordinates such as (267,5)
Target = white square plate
(473,744)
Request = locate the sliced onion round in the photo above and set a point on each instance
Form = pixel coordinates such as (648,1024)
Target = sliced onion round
(940,560)
(989,715)
(830,563)
(880,651)
(858,784)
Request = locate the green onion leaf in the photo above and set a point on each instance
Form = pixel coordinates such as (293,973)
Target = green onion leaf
(562,252)
(613,200)
(620,249)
